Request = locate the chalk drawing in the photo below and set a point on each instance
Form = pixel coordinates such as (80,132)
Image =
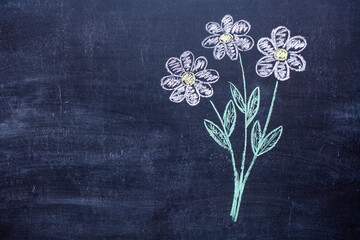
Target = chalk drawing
(228,37)
(281,54)
(189,78)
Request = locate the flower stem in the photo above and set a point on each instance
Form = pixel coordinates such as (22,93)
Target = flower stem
(239,186)
(242,187)
(245,122)
(270,110)
(243,76)
(236,187)
(236,199)
(236,174)
(217,113)
(249,170)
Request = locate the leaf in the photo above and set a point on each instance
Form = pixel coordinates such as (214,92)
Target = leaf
(253,105)
(270,140)
(216,133)
(255,137)
(229,117)
(238,99)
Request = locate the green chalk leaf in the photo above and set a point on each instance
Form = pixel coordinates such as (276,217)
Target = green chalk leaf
(253,105)
(255,137)
(270,140)
(229,118)
(238,99)
(217,134)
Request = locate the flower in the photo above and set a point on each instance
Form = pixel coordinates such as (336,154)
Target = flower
(281,54)
(189,78)
(229,37)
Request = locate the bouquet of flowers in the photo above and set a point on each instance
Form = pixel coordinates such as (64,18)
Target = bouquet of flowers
(190,79)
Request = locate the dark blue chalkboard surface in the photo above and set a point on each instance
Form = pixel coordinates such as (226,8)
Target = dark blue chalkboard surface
(91,146)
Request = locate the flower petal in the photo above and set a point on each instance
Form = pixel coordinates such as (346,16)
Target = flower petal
(174,66)
(282,71)
(227,23)
(241,27)
(187,60)
(213,28)
(265,66)
(207,76)
(219,51)
(244,43)
(266,46)
(296,44)
(280,35)
(178,94)
(231,50)
(204,89)
(210,41)
(200,64)
(296,62)
(170,82)
(192,96)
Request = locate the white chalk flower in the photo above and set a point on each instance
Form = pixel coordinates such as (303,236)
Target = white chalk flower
(281,54)
(189,78)
(228,37)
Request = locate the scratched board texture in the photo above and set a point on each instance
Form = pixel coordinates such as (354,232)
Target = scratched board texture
(91,147)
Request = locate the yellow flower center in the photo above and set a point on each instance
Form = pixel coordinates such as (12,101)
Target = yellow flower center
(226,37)
(188,79)
(281,54)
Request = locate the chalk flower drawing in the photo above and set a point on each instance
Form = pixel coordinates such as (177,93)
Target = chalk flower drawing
(190,79)
(281,54)
(228,37)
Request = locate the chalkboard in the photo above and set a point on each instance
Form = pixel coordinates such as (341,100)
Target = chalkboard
(107,132)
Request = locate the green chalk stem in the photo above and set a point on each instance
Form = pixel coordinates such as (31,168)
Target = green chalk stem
(271,108)
(239,186)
